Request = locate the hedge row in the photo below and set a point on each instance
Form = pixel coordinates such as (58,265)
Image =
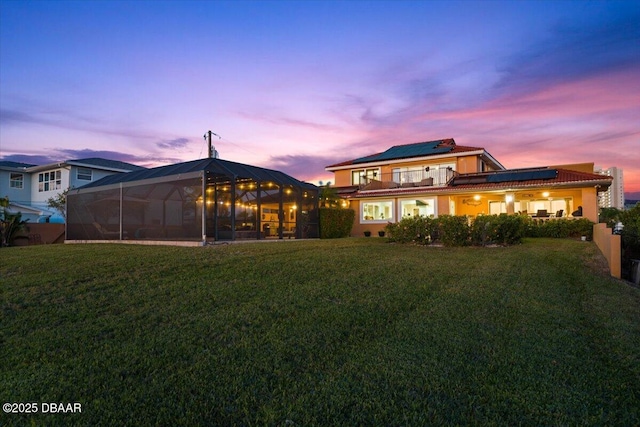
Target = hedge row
(483,230)
(335,222)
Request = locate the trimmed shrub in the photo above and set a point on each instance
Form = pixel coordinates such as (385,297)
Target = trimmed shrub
(498,229)
(454,230)
(560,228)
(416,229)
(482,231)
(335,222)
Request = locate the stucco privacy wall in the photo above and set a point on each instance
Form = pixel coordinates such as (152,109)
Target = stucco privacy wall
(47,233)
(610,246)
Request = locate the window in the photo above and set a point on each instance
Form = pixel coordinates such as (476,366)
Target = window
(84,174)
(50,181)
(497,208)
(16,181)
(377,211)
(362,176)
(552,206)
(441,173)
(417,207)
(405,175)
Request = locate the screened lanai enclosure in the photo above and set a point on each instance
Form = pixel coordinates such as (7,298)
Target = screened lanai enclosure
(202,200)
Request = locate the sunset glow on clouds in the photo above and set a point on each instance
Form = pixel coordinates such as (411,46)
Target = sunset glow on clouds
(297,86)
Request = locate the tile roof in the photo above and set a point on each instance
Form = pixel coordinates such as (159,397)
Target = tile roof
(408,151)
(561,177)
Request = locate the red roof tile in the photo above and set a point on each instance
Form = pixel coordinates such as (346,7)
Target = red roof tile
(445,143)
(564,177)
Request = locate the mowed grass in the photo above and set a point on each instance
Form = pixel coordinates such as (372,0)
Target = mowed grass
(331,332)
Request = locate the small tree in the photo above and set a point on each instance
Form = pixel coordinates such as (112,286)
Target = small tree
(59,203)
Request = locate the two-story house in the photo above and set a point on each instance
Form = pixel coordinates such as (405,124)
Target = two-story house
(441,177)
(29,187)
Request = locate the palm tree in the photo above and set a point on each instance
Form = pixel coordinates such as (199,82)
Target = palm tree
(10,223)
(329,197)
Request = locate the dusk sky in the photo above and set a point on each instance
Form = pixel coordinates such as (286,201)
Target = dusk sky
(299,85)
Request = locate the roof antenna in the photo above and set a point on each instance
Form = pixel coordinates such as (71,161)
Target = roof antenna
(213,154)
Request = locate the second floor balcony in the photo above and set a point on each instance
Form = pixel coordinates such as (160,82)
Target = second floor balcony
(407,179)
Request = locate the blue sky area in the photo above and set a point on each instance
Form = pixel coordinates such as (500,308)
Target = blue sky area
(298,85)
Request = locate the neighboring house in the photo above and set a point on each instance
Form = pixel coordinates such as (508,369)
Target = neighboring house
(441,177)
(28,186)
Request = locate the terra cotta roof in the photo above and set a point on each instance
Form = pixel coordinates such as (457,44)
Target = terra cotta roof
(564,177)
(444,143)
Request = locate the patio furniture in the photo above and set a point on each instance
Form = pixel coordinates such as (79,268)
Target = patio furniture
(542,213)
(104,232)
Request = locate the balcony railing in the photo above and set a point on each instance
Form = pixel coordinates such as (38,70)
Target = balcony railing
(408,179)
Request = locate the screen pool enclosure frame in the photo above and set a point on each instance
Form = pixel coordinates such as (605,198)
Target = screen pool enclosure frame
(198,201)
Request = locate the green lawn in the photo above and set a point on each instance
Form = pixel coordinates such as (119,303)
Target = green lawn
(332,332)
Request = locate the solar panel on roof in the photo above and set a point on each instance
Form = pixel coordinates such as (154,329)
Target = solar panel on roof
(523,175)
(404,151)
(462,180)
(441,150)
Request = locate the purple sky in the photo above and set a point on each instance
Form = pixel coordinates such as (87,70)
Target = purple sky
(299,85)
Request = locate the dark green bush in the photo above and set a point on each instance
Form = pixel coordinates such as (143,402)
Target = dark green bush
(560,228)
(416,229)
(498,229)
(630,219)
(335,222)
(609,216)
(482,230)
(454,230)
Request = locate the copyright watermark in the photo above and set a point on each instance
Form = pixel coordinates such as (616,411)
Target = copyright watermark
(42,408)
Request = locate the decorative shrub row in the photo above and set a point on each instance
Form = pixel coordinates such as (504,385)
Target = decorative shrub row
(483,230)
(498,229)
(336,222)
(562,228)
